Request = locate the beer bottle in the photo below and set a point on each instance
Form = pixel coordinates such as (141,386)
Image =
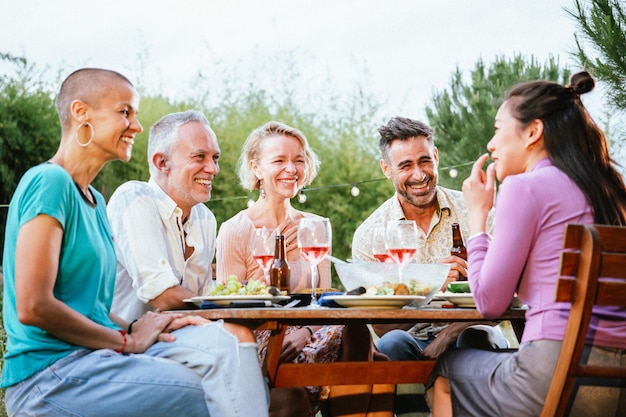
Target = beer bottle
(458,247)
(280,271)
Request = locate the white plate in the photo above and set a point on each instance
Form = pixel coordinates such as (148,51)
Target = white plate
(458,299)
(225,300)
(466,299)
(375,301)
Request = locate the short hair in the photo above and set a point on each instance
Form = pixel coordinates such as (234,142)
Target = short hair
(401,128)
(86,85)
(164,133)
(251,150)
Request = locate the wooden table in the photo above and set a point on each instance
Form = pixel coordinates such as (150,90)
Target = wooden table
(343,373)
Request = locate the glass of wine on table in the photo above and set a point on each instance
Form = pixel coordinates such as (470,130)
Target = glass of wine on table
(401,242)
(314,241)
(262,246)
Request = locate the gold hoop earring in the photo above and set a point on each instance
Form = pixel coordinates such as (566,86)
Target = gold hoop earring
(93,133)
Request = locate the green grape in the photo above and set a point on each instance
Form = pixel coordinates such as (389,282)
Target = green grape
(234,287)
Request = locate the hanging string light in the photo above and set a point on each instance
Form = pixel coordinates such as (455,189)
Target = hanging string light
(452,170)
(301,197)
(354,186)
(355,190)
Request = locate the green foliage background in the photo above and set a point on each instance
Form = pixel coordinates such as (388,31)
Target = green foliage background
(462,115)
(342,128)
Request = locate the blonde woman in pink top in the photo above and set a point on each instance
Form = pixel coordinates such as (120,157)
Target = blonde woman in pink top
(277,160)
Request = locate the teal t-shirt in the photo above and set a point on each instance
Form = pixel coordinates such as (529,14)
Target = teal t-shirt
(87,266)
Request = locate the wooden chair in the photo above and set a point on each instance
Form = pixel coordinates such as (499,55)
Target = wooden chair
(593,273)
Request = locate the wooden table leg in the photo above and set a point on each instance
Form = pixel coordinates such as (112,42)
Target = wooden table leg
(274,347)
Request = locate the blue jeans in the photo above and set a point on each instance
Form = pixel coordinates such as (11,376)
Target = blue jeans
(400,345)
(205,372)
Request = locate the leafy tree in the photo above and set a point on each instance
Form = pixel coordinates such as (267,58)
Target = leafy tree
(462,116)
(342,137)
(603,28)
(29,127)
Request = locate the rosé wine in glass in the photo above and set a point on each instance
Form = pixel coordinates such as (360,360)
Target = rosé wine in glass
(314,241)
(262,247)
(314,254)
(379,245)
(402,256)
(264,261)
(401,241)
(382,257)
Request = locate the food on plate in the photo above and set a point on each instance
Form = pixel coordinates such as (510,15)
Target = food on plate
(234,287)
(318,290)
(395,288)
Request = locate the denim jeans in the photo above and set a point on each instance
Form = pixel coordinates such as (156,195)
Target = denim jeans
(400,345)
(205,372)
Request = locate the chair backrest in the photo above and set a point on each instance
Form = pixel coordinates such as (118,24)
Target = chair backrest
(593,272)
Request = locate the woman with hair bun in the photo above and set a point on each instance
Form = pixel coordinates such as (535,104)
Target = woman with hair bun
(554,167)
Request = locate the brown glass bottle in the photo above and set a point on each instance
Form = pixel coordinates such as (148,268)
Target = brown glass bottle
(458,247)
(280,271)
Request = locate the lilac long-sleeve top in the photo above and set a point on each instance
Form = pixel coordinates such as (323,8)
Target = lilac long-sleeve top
(523,255)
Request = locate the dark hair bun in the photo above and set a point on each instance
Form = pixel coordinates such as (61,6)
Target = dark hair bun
(582,83)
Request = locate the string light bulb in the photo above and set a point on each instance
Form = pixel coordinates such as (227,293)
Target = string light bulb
(301,197)
(453,172)
(355,191)
(250,201)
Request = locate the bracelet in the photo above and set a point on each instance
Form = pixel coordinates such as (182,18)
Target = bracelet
(123,333)
(130,326)
(310,330)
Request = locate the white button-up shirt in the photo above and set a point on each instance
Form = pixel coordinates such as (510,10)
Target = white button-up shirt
(150,240)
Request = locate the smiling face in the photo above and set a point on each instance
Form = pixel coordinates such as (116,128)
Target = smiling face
(507,146)
(114,120)
(412,168)
(280,166)
(191,166)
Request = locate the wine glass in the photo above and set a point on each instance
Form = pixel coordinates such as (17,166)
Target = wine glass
(314,240)
(401,242)
(262,246)
(379,244)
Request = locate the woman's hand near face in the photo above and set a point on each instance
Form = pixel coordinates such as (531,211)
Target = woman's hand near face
(479,191)
(291,233)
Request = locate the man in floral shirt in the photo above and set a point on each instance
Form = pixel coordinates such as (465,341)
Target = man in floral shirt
(410,160)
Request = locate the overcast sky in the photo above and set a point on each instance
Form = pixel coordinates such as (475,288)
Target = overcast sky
(399,50)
